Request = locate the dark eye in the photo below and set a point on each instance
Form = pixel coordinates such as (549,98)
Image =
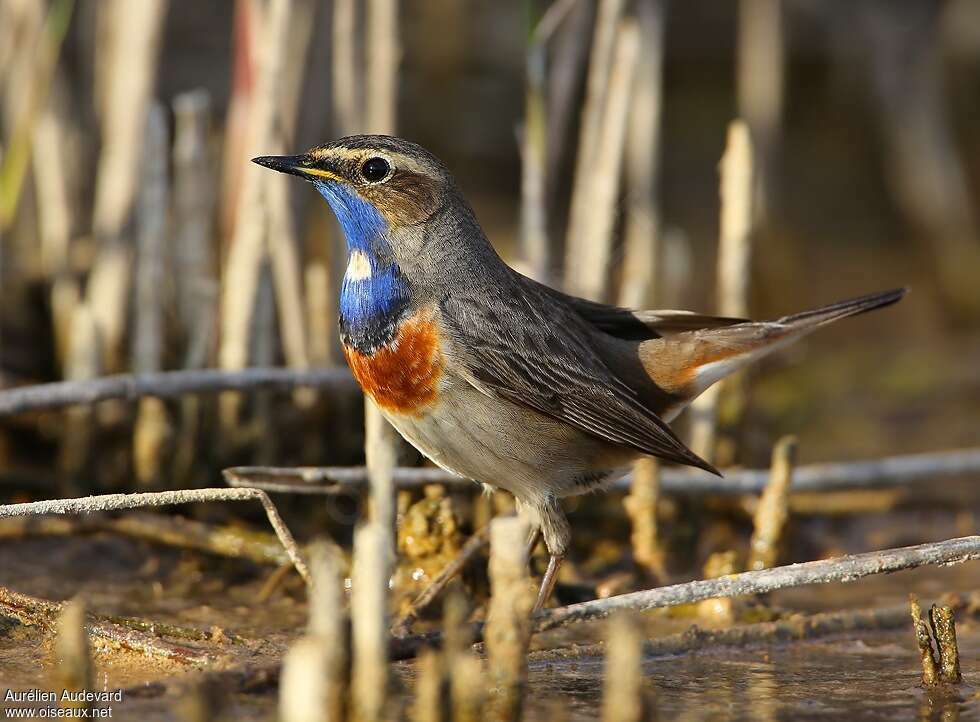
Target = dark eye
(375,169)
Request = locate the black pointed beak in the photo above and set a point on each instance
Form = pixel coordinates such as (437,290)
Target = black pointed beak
(293,164)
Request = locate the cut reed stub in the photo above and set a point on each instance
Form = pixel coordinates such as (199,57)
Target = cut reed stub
(508,626)
(940,665)
(623,698)
(944,631)
(75,673)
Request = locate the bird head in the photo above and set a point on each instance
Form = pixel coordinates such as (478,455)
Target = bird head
(383,190)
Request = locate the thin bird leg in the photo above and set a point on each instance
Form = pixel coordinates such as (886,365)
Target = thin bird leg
(532,541)
(548,583)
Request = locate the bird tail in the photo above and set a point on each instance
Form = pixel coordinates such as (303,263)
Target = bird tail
(685,364)
(842,309)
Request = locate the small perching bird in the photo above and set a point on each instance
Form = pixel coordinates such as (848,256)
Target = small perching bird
(494,376)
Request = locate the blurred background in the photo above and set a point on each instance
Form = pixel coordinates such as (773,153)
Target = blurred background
(136,236)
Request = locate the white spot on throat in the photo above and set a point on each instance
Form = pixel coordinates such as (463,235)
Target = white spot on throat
(358,266)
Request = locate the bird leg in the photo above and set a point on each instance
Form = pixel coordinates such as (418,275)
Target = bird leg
(548,582)
(532,541)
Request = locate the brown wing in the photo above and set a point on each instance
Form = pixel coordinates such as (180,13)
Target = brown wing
(532,350)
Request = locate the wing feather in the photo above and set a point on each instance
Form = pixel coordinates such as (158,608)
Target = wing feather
(535,351)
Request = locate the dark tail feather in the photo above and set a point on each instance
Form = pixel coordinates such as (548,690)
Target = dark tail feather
(842,309)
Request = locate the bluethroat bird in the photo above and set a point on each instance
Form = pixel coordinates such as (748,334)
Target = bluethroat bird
(496,377)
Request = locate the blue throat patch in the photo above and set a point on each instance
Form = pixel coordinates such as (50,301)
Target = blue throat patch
(369,307)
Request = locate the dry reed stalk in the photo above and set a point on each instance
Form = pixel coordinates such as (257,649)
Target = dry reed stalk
(734,271)
(380,116)
(246,252)
(54,189)
(348,73)
(74,660)
(535,243)
(194,256)
(134,54)
(369,592)
(622,689)
(22,26)
(642,253)
(380,454)
(83,365)
(194,198)
(604,37)
(319,313)
(303,689)
(52,184)
(535,143)
(201,701)
(759,81)
(773,510)
(107,502)
(467,682)
(283,238)
(930,669)
(508,628)
(944,631)
(28,85)
(381,36)
(153,431)
(263,353)
(534,146)
(287,272)
(328,624)
(432,702)
(234,151)
(66,294)
(595,195)
(641,507)
(884,473)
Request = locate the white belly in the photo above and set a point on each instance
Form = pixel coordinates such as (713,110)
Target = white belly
(498,443)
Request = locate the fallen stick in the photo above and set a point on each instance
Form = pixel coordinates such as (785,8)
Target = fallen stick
(107,632)
(107,502)
(168,385)
(881,473)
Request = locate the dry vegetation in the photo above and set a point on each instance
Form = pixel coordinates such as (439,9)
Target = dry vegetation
(180,323)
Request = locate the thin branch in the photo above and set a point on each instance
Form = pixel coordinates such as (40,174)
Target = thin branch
(881,473)
(108,502)
(167,385)
(824,571)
